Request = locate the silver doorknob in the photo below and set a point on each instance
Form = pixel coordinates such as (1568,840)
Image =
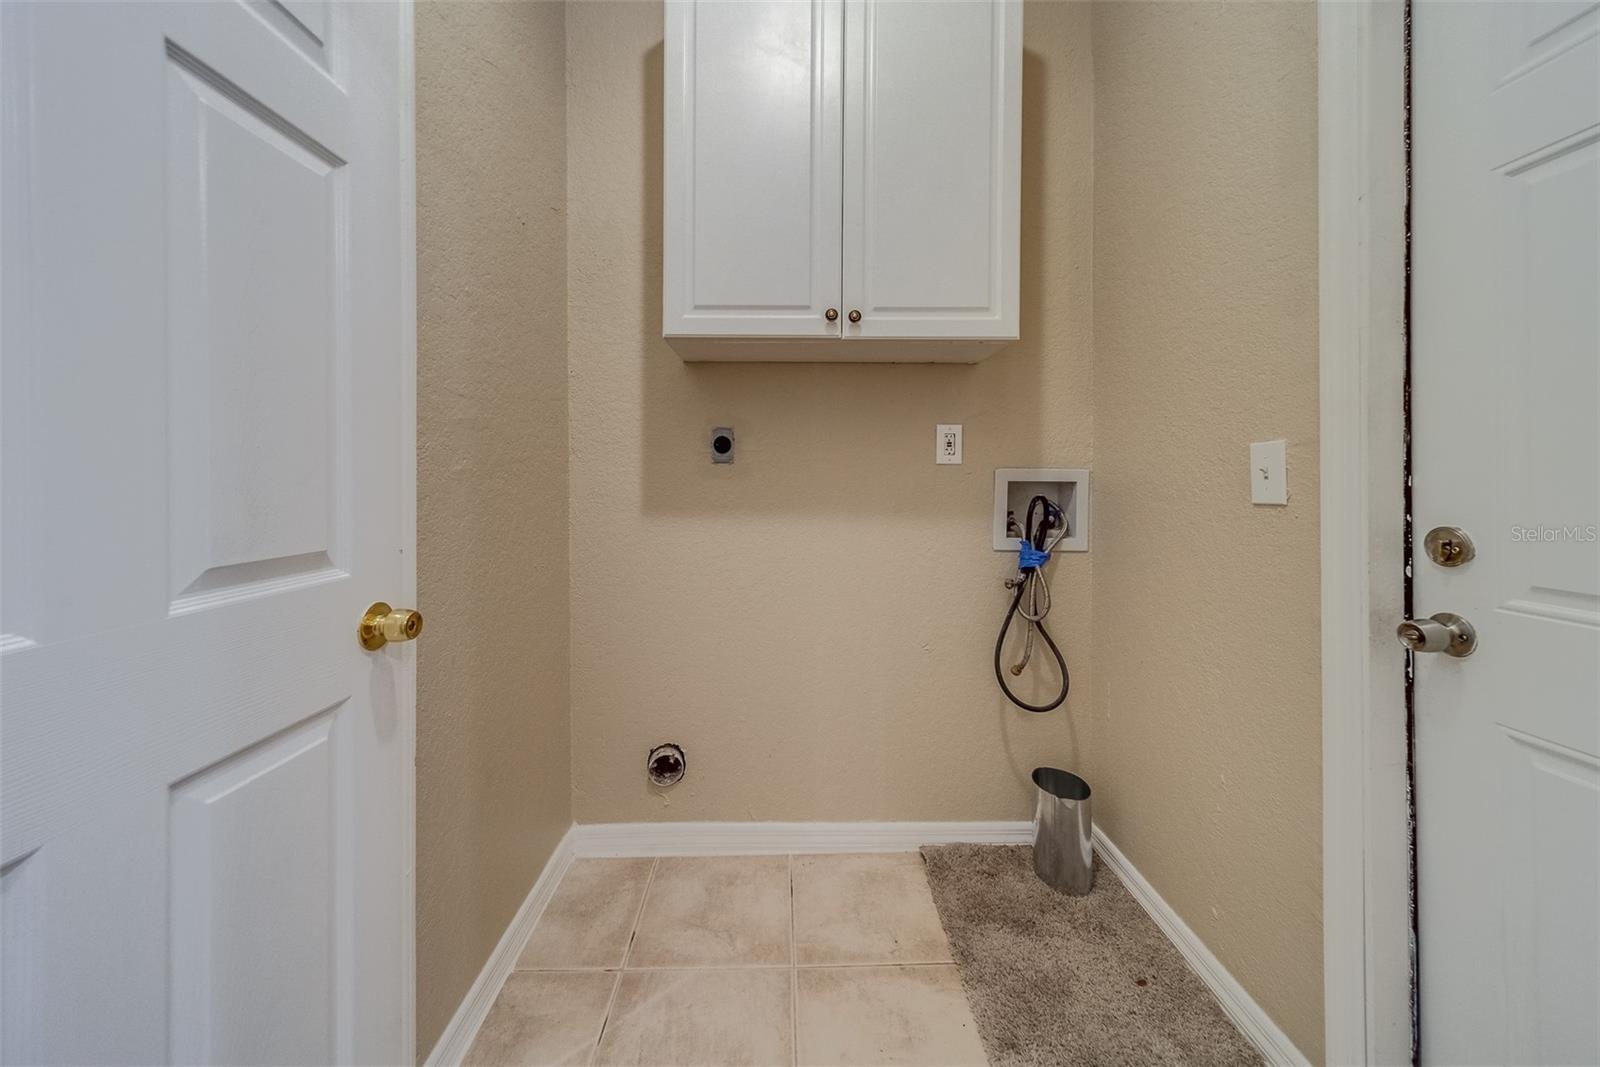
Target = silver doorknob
(1444,632)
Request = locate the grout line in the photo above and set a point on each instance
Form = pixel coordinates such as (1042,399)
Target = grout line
(575,968)
(605,1020)
(644,898)
(674,968)
(880,966)
(616,986)
(824,966)
(794,978)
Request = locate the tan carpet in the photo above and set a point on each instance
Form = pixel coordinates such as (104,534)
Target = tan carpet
(1054,979)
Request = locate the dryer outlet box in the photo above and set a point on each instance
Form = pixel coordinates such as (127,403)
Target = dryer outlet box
(1067,486)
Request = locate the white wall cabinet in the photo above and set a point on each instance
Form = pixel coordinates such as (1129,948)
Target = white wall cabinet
(842,179)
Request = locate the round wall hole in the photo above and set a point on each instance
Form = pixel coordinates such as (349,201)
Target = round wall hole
(665,765)
(722,444)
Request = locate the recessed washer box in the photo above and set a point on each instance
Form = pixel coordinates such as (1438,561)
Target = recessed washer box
(1067,486)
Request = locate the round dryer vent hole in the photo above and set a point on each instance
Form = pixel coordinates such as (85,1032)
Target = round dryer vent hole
(665,765)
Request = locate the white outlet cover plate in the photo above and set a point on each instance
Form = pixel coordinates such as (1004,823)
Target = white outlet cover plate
(1069,486)
(1269,472)
(947,443)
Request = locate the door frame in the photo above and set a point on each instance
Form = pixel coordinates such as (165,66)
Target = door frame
(407,118)
(1367,886)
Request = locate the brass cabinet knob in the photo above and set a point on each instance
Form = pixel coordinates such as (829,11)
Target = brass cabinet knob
(382,624)
(855,316)
(832,314)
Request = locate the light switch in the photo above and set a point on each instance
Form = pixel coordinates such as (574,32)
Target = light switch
(1269,472)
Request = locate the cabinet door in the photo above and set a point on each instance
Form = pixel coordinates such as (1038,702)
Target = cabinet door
(932,167)
(752,217)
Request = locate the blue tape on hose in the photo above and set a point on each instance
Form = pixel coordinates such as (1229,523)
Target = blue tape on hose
(1030,558)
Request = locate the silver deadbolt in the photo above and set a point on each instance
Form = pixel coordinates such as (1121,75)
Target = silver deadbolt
(1444,632)
(1448,546)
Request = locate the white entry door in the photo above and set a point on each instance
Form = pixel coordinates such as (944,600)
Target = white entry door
(205,815)
(1506,446)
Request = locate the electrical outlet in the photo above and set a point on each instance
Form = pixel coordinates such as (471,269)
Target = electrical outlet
(947,443)
(1269,472)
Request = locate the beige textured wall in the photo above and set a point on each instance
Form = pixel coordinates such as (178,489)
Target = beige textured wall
(493,771)
(814,622)
(1206,734)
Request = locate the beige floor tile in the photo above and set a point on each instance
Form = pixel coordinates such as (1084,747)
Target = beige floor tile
(544,1017)
(865,909)
(884,1016)
(715,910)
(587,922)
(707,1017)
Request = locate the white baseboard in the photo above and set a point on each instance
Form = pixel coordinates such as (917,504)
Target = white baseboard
(454,1043)
(757,838)
(1246,1014)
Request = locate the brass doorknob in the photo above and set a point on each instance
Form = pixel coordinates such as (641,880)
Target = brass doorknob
(832,314)
(382,624)
(855,316)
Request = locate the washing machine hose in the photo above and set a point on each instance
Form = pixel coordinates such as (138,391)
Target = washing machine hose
(1032,599)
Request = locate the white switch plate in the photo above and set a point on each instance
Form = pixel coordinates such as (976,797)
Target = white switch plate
(1269,472)
(947,443)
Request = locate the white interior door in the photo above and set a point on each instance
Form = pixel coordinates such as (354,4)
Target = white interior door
(932,168)
(1506,400)
(751,163)
(208,475)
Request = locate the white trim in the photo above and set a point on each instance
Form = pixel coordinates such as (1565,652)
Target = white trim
(1254,1023)
(1366,861)
(456,1041)
(406,117)
(783,838)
